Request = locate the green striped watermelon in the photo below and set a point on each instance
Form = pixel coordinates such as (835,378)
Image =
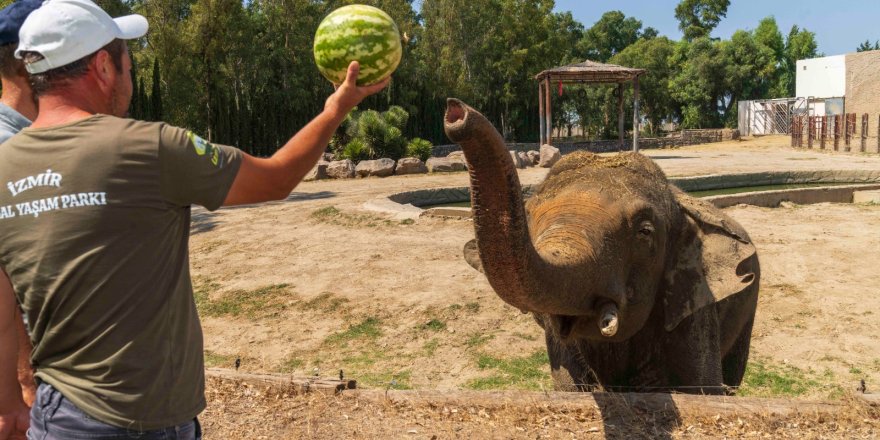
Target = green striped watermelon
(357,33)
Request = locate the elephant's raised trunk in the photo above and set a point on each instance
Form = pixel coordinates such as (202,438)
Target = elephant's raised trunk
(514,268)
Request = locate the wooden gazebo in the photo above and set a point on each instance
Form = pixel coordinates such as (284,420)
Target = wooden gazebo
(589,72)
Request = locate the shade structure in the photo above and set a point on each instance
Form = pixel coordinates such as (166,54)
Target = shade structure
(588,72)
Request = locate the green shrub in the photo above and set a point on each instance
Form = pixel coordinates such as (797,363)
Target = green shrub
(393,145)
(420,148)
(396,116)
(356,150)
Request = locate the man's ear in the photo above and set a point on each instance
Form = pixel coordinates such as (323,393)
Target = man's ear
(104,71)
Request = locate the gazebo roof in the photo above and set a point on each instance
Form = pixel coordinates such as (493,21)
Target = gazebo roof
(591,72)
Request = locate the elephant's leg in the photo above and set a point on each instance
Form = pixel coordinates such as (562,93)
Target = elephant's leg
(733,366)
(567,367)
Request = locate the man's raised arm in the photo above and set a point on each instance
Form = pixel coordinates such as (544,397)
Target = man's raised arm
(261,180)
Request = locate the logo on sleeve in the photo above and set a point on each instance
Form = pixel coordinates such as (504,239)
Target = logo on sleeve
(204,147)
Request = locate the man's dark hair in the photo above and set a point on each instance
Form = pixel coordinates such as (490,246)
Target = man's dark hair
(45,81)
(9,65)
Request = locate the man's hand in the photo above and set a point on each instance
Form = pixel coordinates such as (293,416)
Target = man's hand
(349,95)
(14,423)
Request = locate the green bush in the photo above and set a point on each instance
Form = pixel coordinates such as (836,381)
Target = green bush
(356,150)
(420,148)
(396,116)
(373,135)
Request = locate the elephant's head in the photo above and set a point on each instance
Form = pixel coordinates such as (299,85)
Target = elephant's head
(603,241)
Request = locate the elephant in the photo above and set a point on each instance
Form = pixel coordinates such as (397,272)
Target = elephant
(638,286)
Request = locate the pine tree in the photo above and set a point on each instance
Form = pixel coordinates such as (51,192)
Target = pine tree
(156,95)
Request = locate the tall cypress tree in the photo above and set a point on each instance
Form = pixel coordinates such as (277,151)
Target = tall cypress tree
(156,96)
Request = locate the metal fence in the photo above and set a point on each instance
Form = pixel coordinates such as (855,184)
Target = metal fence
(770,116)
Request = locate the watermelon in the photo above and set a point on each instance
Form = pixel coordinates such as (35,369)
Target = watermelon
(357,33)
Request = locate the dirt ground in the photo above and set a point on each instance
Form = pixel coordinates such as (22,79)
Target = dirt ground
(316,284)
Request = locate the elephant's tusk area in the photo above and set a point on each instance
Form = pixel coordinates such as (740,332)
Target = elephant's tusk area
(608,323)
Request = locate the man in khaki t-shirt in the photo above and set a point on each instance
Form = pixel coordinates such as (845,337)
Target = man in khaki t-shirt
(94,229)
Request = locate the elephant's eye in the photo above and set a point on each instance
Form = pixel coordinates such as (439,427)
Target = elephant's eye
(646,229)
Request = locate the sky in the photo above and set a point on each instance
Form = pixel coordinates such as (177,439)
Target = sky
(840,25)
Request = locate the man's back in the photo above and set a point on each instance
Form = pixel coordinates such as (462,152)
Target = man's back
(94,226)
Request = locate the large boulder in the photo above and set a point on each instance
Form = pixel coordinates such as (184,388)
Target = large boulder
(456,155)
(445,164)
(549,156)
(517,161)
(318,172)
(341,169)
(524,158)
(534,157)
(378,168)
(410,165)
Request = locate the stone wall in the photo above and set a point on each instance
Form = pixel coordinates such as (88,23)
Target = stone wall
(678,139)
(863,86)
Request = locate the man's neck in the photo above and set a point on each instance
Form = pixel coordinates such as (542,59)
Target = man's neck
(17,95)
(66,105)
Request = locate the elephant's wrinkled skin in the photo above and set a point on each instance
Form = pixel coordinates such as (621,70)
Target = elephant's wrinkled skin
(638,286)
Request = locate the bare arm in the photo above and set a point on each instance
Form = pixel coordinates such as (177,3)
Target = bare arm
(25,371)
(261,180)
(13,412)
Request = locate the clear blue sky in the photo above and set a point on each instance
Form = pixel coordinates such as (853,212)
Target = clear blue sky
(840,25)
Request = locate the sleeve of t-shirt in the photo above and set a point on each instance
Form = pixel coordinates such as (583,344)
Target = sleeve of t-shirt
(194,171)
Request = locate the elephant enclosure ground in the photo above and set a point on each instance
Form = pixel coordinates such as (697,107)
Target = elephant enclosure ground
(315,285)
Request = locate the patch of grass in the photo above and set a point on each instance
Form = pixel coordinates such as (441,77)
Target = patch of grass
(431,346)
(326,302)
(291,364)
(523,373)
(525,336)
(251,303)
(855,370)
(434,324)
(768,380)
(401,380)
(478,339)
(407,221)
(368,329)
(332,215)
(803,158)
(472,307)
(219,360)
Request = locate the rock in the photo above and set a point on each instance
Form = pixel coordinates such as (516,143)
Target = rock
(549,156)
(456,155)
(410,165)
(329,157)
(378,168)
(517,161)
(318,172)
(524,158)
(341,169)
(445,164)
(534,157)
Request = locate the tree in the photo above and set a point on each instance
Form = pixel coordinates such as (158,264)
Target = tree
(652,55)
(799,45)
(699,82)
(866,46)
(156,93)
(697,18)
(613,33)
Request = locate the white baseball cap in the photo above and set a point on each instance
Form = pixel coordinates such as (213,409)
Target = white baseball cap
(64,31)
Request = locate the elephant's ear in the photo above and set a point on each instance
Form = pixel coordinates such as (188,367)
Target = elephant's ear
(472,255)
(715,259)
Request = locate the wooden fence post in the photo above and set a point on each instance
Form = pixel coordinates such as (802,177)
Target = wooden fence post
(864,132)
(836,131)
(823,131)
(811,130)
